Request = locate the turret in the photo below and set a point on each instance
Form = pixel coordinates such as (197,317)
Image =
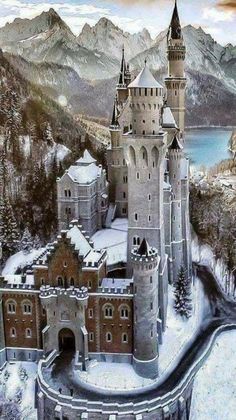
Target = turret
(124,80)
(175,164)
(145,261)
(146,102)
(176,81)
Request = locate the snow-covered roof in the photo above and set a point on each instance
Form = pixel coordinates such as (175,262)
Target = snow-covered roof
(168,118)
(145,79)
(122,284)
(86,159)
(18,279)
(84,174)
(79,241)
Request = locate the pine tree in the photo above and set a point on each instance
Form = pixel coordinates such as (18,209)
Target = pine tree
(182,292)
(37,242)
(10,232)
(26,241)
(47,135)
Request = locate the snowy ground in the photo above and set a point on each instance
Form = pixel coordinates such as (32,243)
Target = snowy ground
(116,376)
(15,386)
(20,260)
(214,393)
(114,240)
(180,330)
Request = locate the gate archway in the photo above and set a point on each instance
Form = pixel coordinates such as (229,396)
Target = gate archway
(66,339)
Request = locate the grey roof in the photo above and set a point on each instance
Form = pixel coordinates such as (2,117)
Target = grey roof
(145,79)
(86,159)
(168,118)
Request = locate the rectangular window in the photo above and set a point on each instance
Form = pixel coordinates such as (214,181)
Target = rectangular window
(90,313)
(91,336)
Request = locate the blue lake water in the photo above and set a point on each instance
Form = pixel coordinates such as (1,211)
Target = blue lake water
(207,146)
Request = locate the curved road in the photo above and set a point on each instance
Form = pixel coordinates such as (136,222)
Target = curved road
(222,312)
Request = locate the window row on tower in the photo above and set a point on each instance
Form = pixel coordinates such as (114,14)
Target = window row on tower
(145,106)
(146,92)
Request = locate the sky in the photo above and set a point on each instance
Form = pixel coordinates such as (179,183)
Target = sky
(217,17)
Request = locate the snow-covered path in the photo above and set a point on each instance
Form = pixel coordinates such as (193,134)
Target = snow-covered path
(214,392)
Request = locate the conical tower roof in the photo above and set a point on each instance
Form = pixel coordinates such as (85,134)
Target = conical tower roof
(175,144)
(145,79)
(175,31)
(114,121)
(122,69)
(144,249)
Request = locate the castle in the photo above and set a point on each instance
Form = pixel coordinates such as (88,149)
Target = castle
(69,299)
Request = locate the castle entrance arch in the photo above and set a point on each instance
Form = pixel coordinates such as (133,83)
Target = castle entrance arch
(66,340)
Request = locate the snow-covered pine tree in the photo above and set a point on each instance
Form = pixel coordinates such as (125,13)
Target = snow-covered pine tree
(37,242)
(10,233)
(47,135)
(11,110)
(27,242)
(182,292)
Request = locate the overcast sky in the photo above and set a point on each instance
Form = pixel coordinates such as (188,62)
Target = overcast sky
(217,17)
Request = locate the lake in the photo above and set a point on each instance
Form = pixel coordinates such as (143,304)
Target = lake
(207,146)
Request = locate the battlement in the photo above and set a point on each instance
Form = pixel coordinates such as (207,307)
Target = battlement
(72,293)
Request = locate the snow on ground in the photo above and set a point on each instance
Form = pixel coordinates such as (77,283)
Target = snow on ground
(114,376)
(214,392)
(180,330)
(13,382)
(114,240)
(20,260)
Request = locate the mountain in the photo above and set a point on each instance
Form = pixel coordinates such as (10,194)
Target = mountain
(109,39)
(47,38)
(204,54)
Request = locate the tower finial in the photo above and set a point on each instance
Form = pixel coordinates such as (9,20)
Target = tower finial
(175,31)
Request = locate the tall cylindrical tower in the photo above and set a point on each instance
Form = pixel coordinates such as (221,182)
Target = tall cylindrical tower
(145,261)
(175,164)
(176,81)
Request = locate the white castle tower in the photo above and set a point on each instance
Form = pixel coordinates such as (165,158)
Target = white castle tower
(145,263)
(176,81)
(145,151)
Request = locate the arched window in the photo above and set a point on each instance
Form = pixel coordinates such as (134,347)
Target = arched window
(13,332)
(143,156)
(109,337)
(132,156)
(134,240)
(136,217)
(26,307)
(124,312)
(72,281)
(60,281)
(108,311)
(124,338)
(155,156)
(11,306)
(28,333)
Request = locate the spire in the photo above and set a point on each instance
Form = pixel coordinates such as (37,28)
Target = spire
(175,144)
(122,68)
(175,31)
(114,122)
(144,248)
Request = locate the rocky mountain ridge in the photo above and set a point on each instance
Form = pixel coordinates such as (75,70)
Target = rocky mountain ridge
(47,38)
(55,60)
(109,39)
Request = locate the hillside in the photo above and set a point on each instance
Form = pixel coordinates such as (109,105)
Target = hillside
(34,134)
